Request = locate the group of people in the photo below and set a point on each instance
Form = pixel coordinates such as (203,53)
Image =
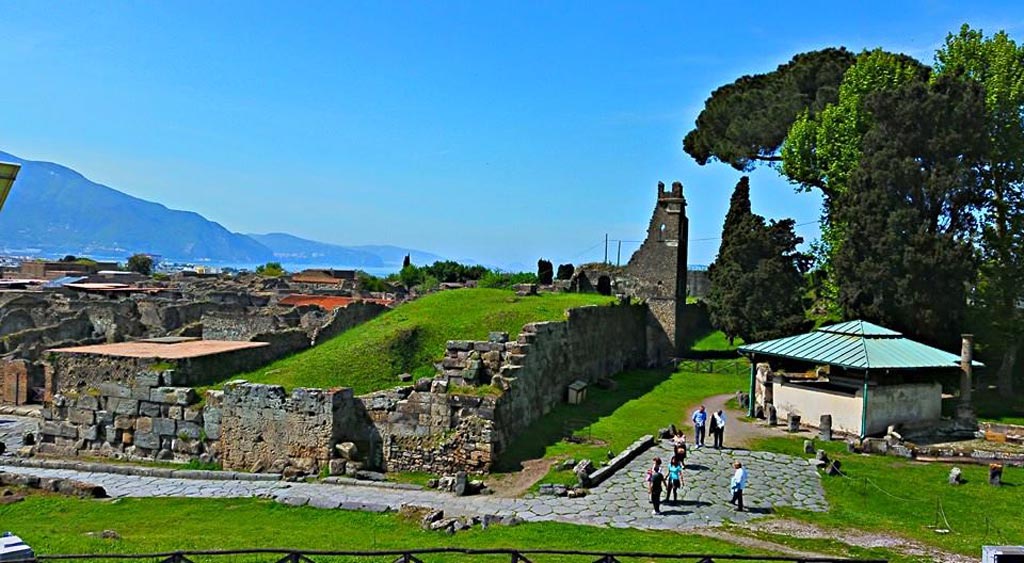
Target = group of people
(660,480)
(715,423)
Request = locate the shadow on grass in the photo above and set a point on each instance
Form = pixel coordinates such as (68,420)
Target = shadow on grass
(565,421)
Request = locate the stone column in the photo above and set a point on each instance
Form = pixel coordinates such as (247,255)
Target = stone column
(964,409)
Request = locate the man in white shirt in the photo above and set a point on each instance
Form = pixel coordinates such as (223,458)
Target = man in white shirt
(719,429)
(737,484)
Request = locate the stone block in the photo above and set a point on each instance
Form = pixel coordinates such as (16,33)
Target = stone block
(149,409)
(347,451)
(88,401)
(104,417)
(146,440)
(173,395)
(498,337)
(144,424)
(164,427)
(123,406)
(114,390)
(81,416)
(124,422)
(176,412)
(460,345)
(49,428)
(189,430)
(90,433)
(337,466)
(148,380)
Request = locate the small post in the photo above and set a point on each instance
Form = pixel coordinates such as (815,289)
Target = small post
(825,428)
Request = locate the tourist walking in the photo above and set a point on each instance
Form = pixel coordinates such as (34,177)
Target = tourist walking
(655,482)
(718,423)
(700,419)
(737,484)
(679,446)
(675,479)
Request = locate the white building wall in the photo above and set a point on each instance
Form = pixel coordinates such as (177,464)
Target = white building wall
(916,404)
(810,404)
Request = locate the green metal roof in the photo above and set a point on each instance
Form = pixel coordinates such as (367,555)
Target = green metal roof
(856,345)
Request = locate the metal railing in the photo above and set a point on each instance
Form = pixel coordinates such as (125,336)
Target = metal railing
(423,556)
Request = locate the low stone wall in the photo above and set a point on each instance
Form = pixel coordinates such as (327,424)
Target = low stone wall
(263,428)
(142,419)
(485,396)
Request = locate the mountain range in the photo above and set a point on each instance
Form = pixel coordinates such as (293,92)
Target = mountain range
(53,210)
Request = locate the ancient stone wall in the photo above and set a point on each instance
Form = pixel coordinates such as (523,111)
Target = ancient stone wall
(15,382)
(659,265)
(143,418)
(263,428)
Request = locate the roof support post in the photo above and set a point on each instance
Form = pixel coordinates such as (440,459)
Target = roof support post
(750,399)
(864,409)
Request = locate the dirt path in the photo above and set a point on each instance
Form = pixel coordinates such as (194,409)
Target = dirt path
(515,484)
(758,545)
(738,433)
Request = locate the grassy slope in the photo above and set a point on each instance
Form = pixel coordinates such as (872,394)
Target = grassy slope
(54,525)
(411,338)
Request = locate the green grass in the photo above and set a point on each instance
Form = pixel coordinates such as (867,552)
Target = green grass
(895,496)
(55,525)
(715,341)
(644,401)
(412,337)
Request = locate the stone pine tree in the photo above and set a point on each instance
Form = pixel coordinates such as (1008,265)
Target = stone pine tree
(912,206)
(545,272)
(756,280)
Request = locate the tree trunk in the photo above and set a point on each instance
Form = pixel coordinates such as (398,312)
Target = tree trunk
(1004,376)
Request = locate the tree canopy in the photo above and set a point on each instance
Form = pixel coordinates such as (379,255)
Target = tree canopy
(756,282)
(747,121)
(141,263)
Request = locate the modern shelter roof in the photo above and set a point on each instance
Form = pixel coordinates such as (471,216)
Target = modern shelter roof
(856,345)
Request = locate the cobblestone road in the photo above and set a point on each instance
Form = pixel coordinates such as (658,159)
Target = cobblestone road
(775,480)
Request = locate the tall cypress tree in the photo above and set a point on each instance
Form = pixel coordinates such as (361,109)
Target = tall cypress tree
(756,282)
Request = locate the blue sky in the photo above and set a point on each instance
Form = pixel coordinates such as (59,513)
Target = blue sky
(497,131)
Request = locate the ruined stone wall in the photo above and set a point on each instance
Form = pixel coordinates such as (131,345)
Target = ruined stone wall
(263,428)
(430,430)
(14,382)
(659,265)
(141,419)
(344,318)
(68,372)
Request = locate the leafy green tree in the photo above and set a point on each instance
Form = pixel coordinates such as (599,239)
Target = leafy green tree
(997,64)
(270,270)
(141,263)
(756,279)
(411,276)
(746,122)
(911,204)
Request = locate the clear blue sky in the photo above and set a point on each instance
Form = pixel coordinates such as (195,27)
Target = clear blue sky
(496,131)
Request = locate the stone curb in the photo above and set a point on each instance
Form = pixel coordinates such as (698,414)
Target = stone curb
(33,412)
(139,471)
(618,462)
(361,483)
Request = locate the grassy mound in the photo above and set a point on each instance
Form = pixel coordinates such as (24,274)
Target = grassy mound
(412,337)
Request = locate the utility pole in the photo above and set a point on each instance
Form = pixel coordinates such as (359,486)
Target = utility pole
(618,255)
(606,248)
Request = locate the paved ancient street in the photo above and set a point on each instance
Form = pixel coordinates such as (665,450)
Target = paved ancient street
(621,501)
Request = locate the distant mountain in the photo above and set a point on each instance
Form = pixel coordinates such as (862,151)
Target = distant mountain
(295,250)
(394,255)
(55,210)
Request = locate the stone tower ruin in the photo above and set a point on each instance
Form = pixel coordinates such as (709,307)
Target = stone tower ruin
(658,267)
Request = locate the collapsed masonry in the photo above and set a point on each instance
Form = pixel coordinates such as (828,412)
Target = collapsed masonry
(485,395)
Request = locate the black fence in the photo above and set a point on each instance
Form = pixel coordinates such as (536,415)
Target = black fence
(432,554)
